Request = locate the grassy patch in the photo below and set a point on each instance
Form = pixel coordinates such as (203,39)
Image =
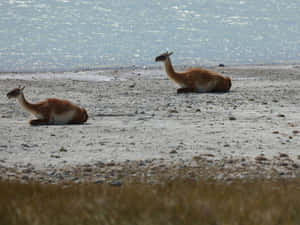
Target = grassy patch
(178,202)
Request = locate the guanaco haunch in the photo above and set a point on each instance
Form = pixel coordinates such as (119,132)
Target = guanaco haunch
(51,111)
(195,79)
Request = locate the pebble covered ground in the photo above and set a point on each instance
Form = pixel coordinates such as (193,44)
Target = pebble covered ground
(139,129)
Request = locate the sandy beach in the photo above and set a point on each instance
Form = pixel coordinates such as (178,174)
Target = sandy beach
(136,119)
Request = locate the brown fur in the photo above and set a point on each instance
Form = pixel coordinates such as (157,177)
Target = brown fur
(195,79)
(51,111)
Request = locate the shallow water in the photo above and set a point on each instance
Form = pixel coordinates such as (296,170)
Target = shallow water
(51,35)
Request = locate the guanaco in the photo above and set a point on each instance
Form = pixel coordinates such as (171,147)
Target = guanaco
(195,79)
(51,111)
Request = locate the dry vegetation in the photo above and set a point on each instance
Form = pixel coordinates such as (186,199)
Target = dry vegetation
(178,202)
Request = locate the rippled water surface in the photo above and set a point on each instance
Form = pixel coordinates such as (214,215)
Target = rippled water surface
(39,35)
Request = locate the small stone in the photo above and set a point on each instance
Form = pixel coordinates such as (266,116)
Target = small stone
(232,118)
(62,149)
(296,166)
(111,164)
(173,111)
(141,163)
(260,158)
(132,85)
(194,164)
(25,177)
(220,177)
(284,164)
(55,156)
(275,132)
(173,152)
(99,181)
(283,155)
(281,115)
(89,169)
(25,146)
(75,179)
(208,155)
(116,183)
(296,131)
(28,170)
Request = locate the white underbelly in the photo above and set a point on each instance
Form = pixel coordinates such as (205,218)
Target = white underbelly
(206,86)
(62,118)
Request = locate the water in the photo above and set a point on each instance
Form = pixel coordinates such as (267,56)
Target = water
(50,35)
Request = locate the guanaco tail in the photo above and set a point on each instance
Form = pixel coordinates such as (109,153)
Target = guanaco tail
(195,79)
(50,111)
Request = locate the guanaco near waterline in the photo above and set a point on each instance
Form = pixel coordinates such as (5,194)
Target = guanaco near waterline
(51,111)
(195,79)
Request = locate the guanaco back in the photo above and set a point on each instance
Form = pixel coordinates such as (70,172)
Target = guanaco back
(195,79)
(50,111)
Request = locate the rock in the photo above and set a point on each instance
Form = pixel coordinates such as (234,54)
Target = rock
(194,164)
(88,169)
(260,158)
(173,152)
(294,165)
(173,111)
(111,164)
(232,118)
(283,155)
(75,179)
(25,145)
(27,170)
(25,177)
(207,155)
(99,181)
(220,177)
(62,149)
(281,115)
(116,183)
(132,85)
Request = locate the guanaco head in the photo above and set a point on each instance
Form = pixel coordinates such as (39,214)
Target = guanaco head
(163,57)
(15,93)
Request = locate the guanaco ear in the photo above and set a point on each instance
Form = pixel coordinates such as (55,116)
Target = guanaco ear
(169,53)
(22,88)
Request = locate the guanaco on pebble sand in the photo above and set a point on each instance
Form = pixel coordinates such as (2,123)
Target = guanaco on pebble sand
(195,79)
(51,111)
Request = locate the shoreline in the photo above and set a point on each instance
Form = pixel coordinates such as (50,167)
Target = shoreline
(154,66)
(254,127)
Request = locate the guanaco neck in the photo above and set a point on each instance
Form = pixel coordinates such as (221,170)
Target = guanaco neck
(24,103)
(177,77)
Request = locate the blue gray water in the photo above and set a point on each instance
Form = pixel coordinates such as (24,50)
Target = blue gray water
(37,35)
